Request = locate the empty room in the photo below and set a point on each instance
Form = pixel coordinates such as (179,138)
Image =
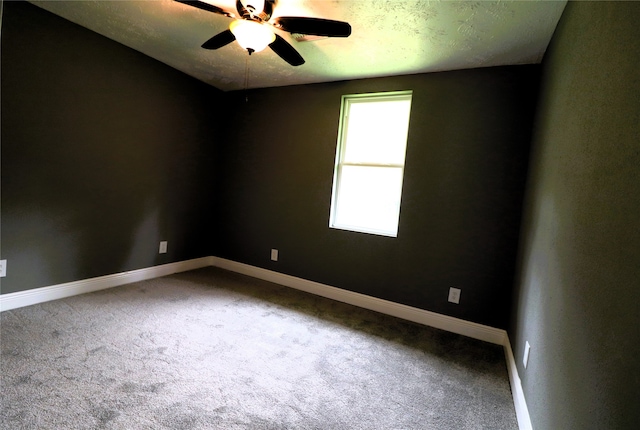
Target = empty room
(369,215)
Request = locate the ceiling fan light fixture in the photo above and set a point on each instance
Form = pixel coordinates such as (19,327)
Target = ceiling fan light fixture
(251,35)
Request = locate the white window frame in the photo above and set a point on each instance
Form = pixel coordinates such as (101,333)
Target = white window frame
(340,152)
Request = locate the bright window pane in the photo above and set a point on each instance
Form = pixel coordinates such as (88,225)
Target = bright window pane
(369,198)
(377,132)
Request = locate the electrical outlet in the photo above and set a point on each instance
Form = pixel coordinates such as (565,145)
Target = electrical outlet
(163,247)
(525,356)
(3,268)
(274,255)
(454,295)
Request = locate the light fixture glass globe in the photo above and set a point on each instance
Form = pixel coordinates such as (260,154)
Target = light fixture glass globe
(251,35)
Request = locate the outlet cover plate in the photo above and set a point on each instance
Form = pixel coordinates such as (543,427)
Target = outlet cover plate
(454,295)
(274,255)
(3,268)
(525,356)
(163,247)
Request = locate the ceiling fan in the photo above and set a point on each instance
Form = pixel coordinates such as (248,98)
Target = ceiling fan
(251,28)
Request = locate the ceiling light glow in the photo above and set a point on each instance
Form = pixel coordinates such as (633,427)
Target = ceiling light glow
(252,36)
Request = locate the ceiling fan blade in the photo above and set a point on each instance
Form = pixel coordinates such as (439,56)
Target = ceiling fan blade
(313,26)
(206,6)
(241,9)
(286,51)
(219,40)
(267,11)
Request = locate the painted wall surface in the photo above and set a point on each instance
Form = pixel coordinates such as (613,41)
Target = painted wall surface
(105,152)
(466,165)
(578,302)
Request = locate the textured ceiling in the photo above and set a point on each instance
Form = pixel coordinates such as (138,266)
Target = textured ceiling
(389,37)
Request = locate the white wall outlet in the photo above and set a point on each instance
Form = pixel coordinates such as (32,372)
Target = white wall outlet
(163,247)
(274,255)
(454,295)
(525,356)
(3,268)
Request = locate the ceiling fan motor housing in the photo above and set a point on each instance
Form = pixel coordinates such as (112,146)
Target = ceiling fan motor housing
(248,9)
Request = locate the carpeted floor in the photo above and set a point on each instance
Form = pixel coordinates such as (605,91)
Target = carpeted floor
(209,349)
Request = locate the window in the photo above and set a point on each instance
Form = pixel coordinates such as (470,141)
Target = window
(367,182)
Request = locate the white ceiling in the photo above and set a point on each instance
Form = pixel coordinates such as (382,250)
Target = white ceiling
(389,37)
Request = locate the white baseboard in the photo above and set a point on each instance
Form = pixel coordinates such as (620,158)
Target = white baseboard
(522,412)
(421,316)
(60,291)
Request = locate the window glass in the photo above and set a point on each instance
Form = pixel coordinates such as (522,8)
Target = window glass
(377,131)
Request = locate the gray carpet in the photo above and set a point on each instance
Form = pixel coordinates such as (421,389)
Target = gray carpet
(209,349)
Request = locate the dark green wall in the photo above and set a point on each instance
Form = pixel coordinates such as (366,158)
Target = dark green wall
(465,169)
(105,152)
(578,301)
